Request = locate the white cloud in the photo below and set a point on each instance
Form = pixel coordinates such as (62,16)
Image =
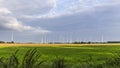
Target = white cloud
(67,16)
(25,7)
(4,11)
(10,10)
(69,7)
(40,30)
(8,22)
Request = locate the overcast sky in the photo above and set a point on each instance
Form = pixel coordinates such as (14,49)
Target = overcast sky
(60,20)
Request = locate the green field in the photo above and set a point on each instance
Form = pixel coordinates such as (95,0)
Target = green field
(73,55)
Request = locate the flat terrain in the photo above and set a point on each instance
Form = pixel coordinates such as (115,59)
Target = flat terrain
(73,53)
(46,45)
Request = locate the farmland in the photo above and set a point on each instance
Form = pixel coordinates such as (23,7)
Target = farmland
(74,54)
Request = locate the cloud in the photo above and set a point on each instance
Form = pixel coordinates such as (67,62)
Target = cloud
(4,11)
(37,16)
(10,23)
(71,7)
(24,7)
(78,15)
(104,18)
(10,11)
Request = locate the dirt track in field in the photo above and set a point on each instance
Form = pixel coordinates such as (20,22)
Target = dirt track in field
(53,45)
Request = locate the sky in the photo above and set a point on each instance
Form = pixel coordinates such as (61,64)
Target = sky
(59,20)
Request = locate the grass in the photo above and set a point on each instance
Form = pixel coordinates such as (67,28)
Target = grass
(74,55)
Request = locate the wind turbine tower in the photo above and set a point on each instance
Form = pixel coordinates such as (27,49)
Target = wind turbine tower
(12,38)
(42,38)
(70,41)
(102,38)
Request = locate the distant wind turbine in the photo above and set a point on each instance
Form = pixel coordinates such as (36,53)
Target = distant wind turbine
(70,40)
(42,38)
(102,38)
(12,37)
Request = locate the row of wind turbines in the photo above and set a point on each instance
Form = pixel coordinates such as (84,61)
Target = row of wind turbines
(61,39)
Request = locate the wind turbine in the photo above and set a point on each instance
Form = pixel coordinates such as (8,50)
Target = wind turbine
(12,37)
(70,38)
(42,38)
(102,38)
(45,38)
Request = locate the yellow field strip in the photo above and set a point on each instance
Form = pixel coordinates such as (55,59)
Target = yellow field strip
(53,45)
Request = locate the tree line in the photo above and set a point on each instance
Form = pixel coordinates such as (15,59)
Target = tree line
(6,42)
(82,42)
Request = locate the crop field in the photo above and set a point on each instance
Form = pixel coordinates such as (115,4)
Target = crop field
(75,55)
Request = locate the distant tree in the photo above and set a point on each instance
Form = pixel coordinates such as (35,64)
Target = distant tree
(50,43)
(89,42)
(2,42)
(57,43)
(113,42)
(10,42)
(76,42)
(82,42)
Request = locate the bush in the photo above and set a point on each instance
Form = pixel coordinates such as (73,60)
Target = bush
(30,60)
(12,62)
(114,61)
(58,63)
